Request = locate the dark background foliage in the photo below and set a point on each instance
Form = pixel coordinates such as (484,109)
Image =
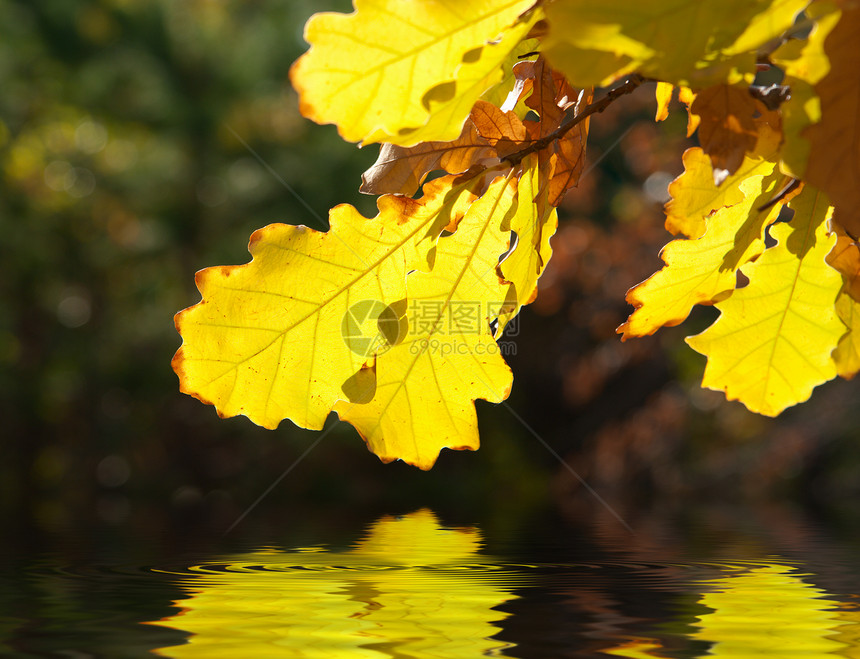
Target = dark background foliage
(141,141)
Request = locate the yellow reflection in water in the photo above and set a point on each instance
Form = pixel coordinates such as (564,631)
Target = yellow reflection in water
(410,589)
(769,610)
(640,648)
(765,610)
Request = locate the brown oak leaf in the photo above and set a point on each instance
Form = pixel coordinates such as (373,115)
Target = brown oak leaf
(834,158)
(402,170)
(727,129)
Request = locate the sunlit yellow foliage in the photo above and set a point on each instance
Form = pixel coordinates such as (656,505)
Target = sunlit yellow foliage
(695,195)
(427,382)
(410,588)
(704,270)
(477,78)
(725,227)
(379,72)
(663,94)
(365,320)
(773,341)
(688,42)
(267,340)
(534,222)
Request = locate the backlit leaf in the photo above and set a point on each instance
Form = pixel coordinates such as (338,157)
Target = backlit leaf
(773,341)
(401,170)
(704,270)
(274,338)
(426,383)
(499,93)
(380,72)
(534,222)
(695,195)
(663,92)
(688,42)
(492,134)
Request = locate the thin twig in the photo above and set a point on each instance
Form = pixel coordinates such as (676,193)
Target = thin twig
(597,106)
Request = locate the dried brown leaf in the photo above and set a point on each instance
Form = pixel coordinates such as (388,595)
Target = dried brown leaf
(727,129)
(401,170)
(834,158)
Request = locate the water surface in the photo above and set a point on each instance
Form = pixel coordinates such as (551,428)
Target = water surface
(411,586)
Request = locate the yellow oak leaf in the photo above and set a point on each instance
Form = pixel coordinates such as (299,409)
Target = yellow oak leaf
(727,127)
(774,339)
(685,42)
(834,156)
(426,384)
(382,71)
(663,93)
(687,96)
(703,270)
(535,221)
(695,195)
(478,77)
(281,336)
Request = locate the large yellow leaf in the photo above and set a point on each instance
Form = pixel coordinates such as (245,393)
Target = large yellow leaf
(695,195)
(479,77)
(704,270)
(773,341)
(380,72)
(427,383)
(689,42)
(534,222)
(280,336)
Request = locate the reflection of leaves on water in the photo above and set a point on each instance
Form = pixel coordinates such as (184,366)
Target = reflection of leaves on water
(770,610)
(763,610)
(401,588)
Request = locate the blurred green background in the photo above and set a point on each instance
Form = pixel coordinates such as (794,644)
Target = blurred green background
(123,171)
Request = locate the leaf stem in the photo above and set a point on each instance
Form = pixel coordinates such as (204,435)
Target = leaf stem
(593,108)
